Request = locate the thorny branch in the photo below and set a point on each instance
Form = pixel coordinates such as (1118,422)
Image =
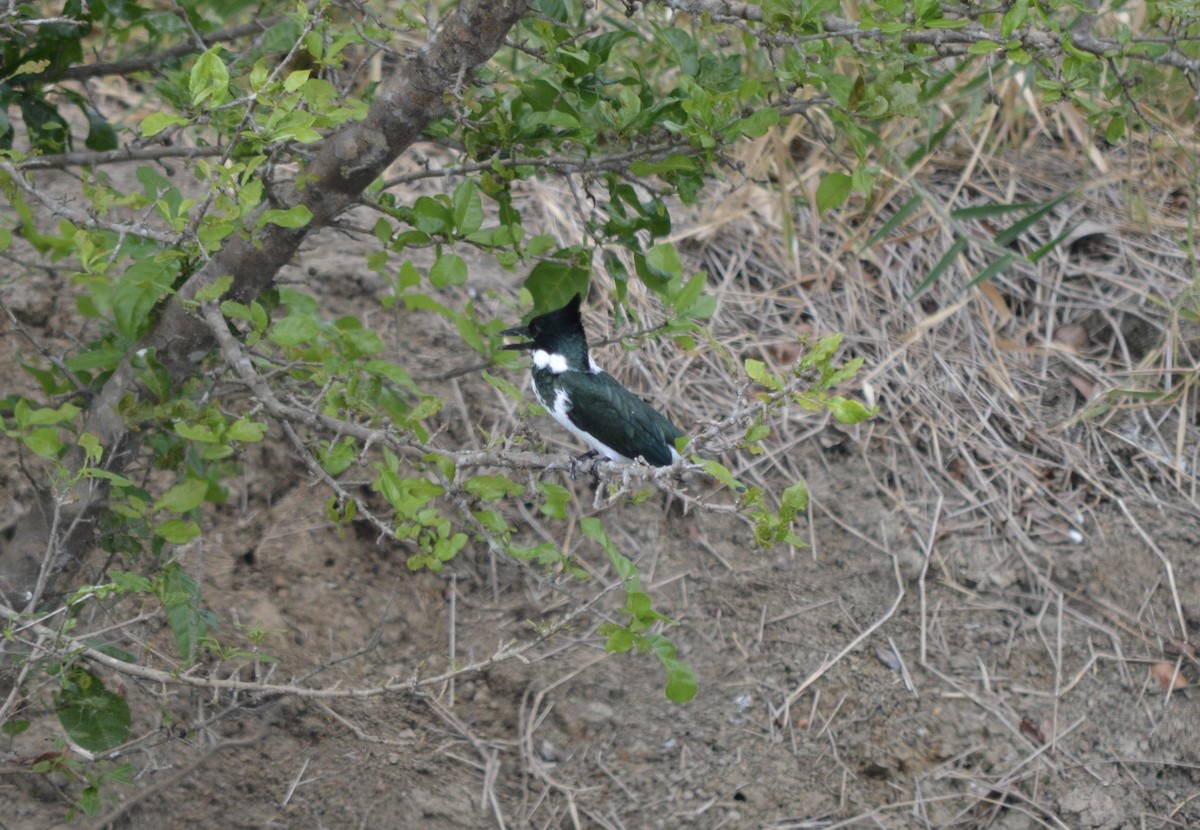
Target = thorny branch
(64,646)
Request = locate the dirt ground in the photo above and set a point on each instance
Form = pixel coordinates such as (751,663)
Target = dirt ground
(894,674)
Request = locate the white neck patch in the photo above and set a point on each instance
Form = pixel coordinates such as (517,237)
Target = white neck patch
(592,365)
(543,359)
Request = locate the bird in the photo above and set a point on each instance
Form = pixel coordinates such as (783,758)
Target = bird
(589,402)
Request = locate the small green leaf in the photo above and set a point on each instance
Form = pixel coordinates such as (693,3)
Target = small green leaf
(593,529)
(663,259)
(758,372)
(757,432)
(689,294)
(296,79)
(556,501)
(201,433)
(12,728)
(553,282)
(942,264)
(154,124)
(468,208)
(44,441)
(215,290)
(832,191)
(209,80)
(794,500)
(338,458)
(296,216)
(619,638)
(898,218)
(493,487)
(847,410)
(45,416)
(94,718)
(755,125)
(293,331)
(184,496)
(993,269)
(721,473)
(431,216)
(503,386)
(245,430)
(449,269)
(681,682)
(178,531)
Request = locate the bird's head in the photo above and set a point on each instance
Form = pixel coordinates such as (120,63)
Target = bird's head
(553,334)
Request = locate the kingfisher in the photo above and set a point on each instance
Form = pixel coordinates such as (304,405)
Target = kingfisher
(589,402)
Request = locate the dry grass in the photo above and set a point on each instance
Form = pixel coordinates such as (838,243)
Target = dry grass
(1013,411)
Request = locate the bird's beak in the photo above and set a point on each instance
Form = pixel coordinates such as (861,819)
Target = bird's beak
(517,331)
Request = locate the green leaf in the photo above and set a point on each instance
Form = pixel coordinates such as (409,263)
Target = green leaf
(689,294)
(94,718)
(12,728)
(504,386)
(468,208)
(847,410)
(685,50)
(1116,129)
(1010,234)
(337,458)
(245,430)
(758,372)
(431,216)
(557,498)
(184,496)
(154,124)
(138,290)
(593,529)
(493,487)
(101,134)
(449,269)
(942,264)
(757,432)
(293,331)
(993,269)
(296,79)
(215,290)
(44,416)
(180,596)
(794,500)
(296,216)
(721,473)
(619,638)
(832,191)
(663,259)
(898,218)
(44,441)
(209,81)
(201,433)
(178,531)
(754,126)
(553,282)
(681,681)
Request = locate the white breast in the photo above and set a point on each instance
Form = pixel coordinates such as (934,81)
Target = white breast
(560,409)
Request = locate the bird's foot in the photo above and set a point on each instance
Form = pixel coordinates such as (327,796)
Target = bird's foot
(575,464)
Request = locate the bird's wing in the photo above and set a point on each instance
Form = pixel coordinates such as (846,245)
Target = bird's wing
(642,431)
